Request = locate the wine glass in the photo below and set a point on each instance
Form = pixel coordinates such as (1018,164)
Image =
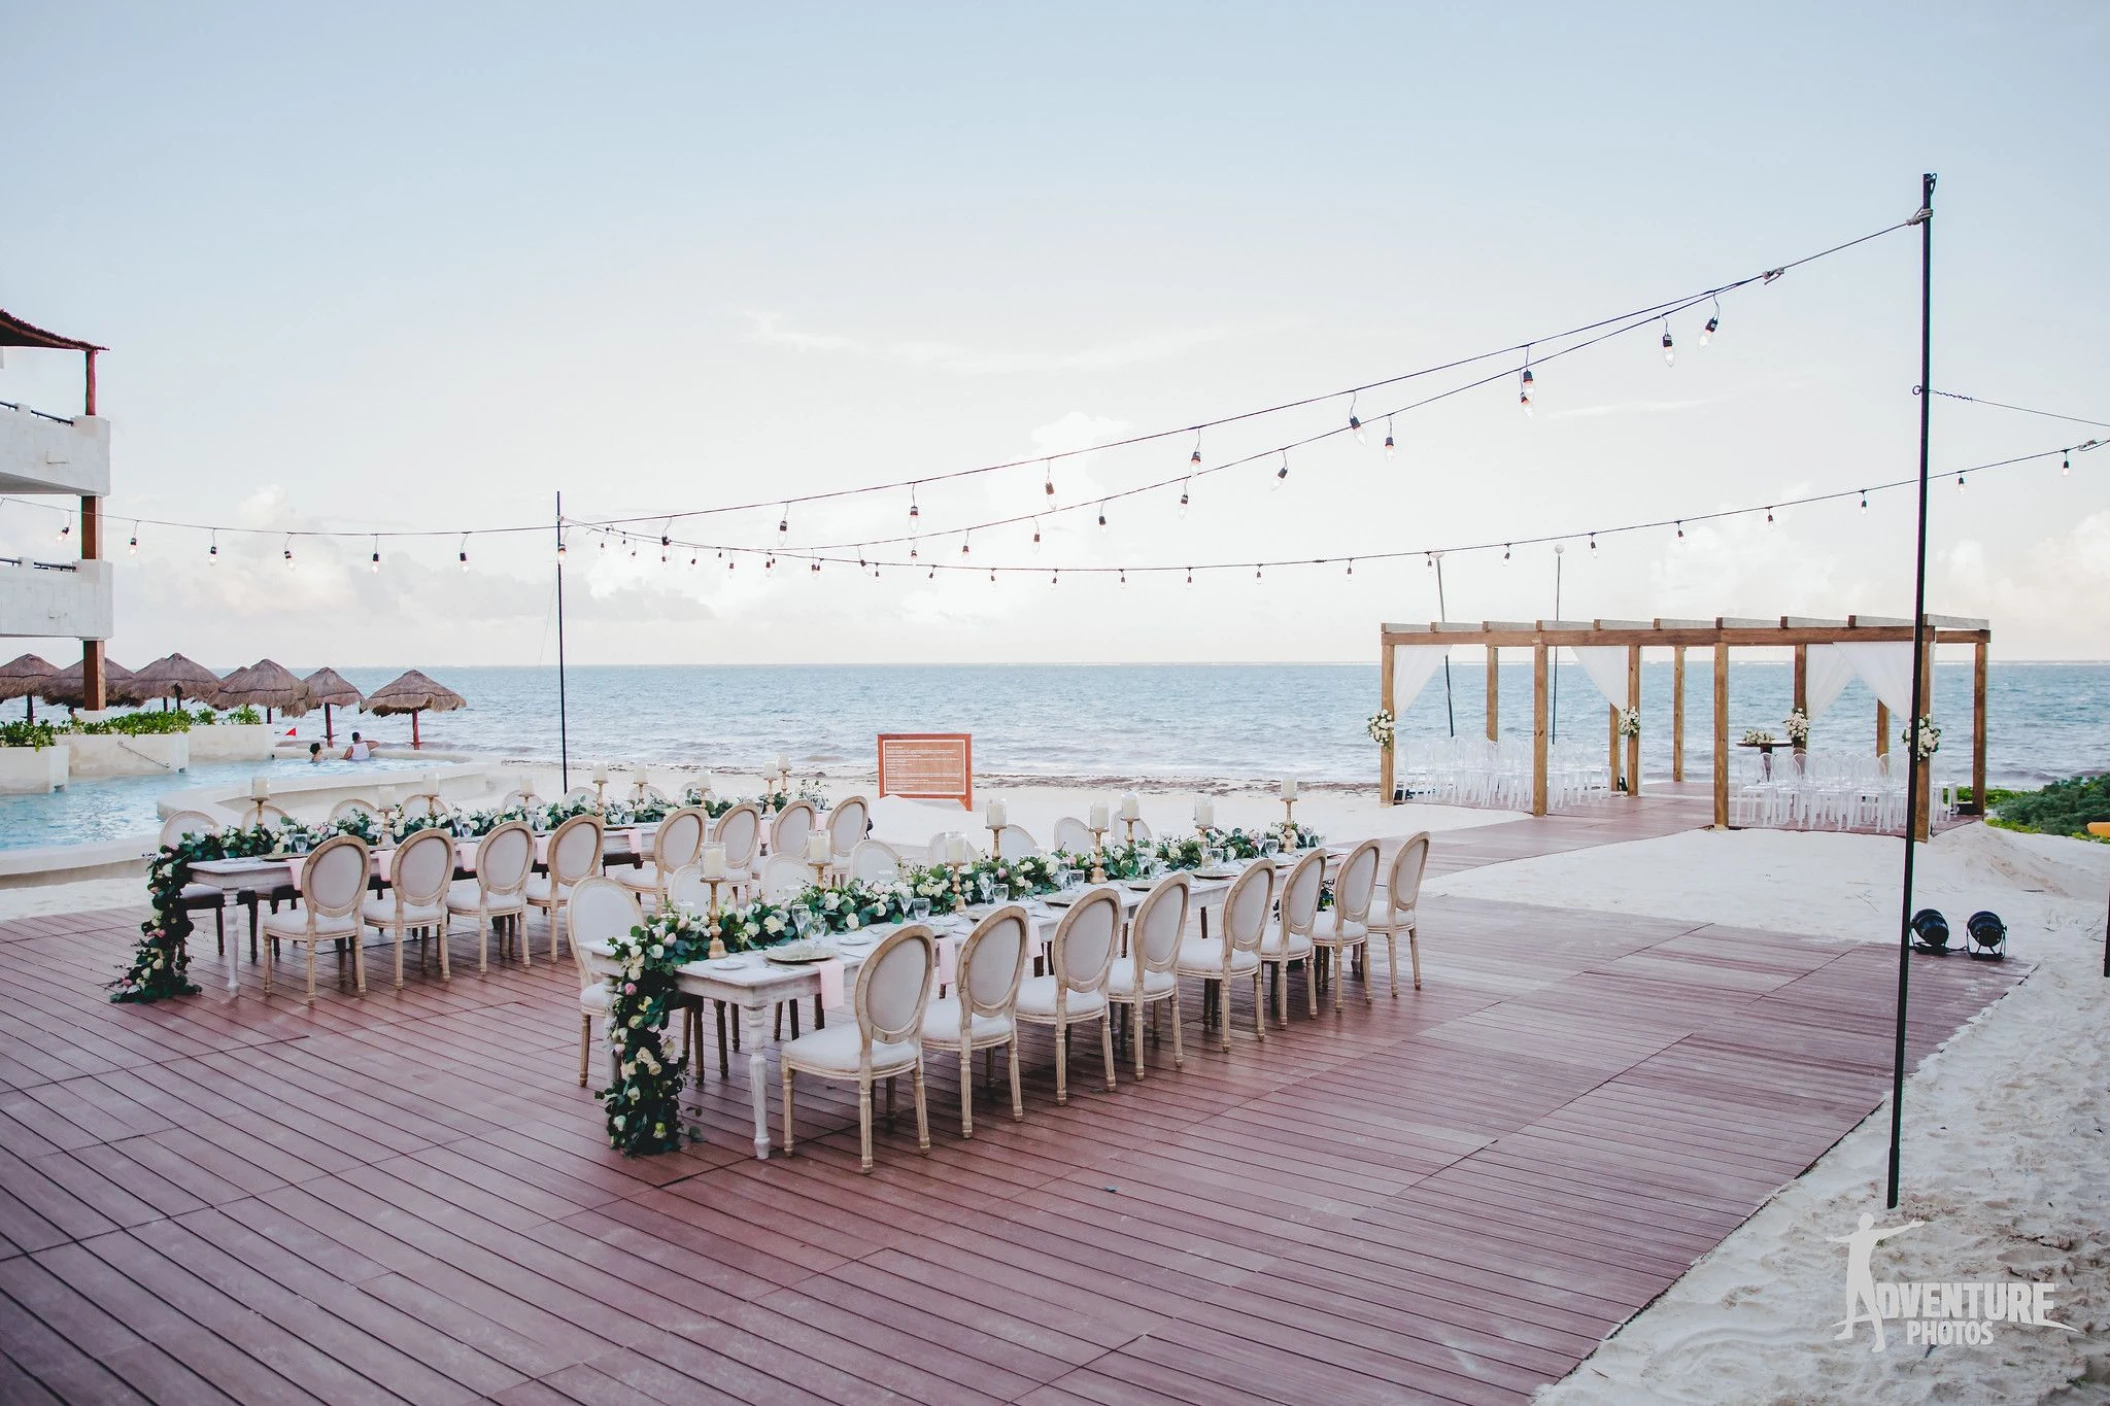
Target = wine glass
(801,920)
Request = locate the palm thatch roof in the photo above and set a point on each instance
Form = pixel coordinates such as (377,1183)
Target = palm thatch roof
(177,676)
(412,693)
(266,684)
(24,676)
(65,685)
(330,687)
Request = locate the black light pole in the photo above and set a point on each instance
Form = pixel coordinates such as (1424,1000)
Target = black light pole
(1560,550)
(1925,220)
(563,730)
(1443,612)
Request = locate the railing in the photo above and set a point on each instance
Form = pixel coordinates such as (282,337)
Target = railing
(40,414)
(41,565)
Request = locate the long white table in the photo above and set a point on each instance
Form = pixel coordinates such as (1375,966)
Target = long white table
(753,985)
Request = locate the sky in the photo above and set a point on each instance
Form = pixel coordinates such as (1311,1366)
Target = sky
(422,268)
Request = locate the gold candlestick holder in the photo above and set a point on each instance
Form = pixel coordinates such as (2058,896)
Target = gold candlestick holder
(1289,822)
(1128,830)
(600,795)
(717,948)
(820,873)
(1099,856)
(959,896)
(996,841)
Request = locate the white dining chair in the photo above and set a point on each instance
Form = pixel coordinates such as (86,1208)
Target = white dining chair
(574,856)
(519,798)
(678,841)
(497,895)
(579,795)
(934,852)
(1145,975)
(1074,990)
(740,831)
(1234,953)
(688,893)
(332,883)
(197,898)
(600,909)
(785,878)
(847,825)
(980,1014)
(875,862)
(1402,893)
(893,989)
(353,805)
(1016,842)
(1072,835)
(420,873)
(1345,930)
(787,833)
(1289,937)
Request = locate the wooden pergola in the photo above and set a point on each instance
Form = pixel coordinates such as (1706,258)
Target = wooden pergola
(1720,635)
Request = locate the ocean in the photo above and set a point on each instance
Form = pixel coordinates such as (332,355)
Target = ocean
(1223,722)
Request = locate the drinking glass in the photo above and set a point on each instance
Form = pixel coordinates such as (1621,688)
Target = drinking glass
(1212,857)
(1002,894)
(801,919)
(1270,847)
(919,909)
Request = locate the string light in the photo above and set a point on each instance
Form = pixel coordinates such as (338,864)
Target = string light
(132,547)
(374,562)
(913,511)
(1190,576)
(66,527)
(2066,465)
(1194,460)
(212,555)
(1351,566)
(1505,551)
(1102,517)
(1769,517)
(1524,384)
(1593,541)
(1256,571)
(1714,321)
(912,551)
(465,553)
(784,522)
(963,543)
(1055,578)
(289,549)
(1959,483)
(1864,500)
(1355,426)
(1283,472)
(1036,536)
(1681,531)
(1388,436)
(1183,496)
(992,576)
(1124,576)
(1048,468)
(1670,353)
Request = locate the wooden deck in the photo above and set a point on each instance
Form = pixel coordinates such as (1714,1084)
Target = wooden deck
(1453,1196)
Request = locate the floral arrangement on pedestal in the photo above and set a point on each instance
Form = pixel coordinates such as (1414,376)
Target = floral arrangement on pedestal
(1797,727)
(1759,737)
(1382,727)
(1629,722)
(1924,740)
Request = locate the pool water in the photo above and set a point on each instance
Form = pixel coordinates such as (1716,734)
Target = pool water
(114,807)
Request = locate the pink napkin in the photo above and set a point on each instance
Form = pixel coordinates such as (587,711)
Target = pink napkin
(831,975)
(542,850)
(948,960)
(384,861)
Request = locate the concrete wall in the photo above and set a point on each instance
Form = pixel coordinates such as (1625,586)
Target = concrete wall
(231,742)
(59,604)
(32,770)
(43,455)
(115,754)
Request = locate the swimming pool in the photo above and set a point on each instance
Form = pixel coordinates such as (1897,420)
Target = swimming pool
(111,808)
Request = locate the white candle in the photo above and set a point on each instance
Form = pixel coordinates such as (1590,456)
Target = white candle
(1131,806)
(1289,790)
(710,783)
(1098,815)
(259,788)
(432,781)
(600,774)
(961,851)
(998,815)
(783,764)
(714,861)
(1205,814)
(816,846)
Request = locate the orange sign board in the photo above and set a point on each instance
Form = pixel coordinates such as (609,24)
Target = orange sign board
(927,766)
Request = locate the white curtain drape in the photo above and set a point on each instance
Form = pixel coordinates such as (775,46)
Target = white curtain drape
(1829,673)
(1886,669)
(1412,665)
(1606,666)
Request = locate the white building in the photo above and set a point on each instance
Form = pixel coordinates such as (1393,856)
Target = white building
(58,594)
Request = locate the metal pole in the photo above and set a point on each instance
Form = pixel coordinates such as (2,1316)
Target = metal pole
(1443,613)
(1925,219)
(1559,551)
(563,727)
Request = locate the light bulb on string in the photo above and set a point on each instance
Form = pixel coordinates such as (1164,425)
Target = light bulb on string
(1505,551)
(1593,541)
(2066,464)
(963,544)
(933,574)
(1283,472)
(992,576)
(911,550)
(1194,460)
(1714,321)
(1864,500)
(1769,517)
(374,562)
(1524,383)
(1351,566)
(914,512)
(1670,353)
(1256,571)
(1190,576)
(288,553)
(1959,483)
(1047,468)
(65,526)
(1428,559)
(1054,578)
(1355,425)
(1036,536)
(1102,517)
(212,554)
(132,547)
(1388,436)
(1124,575)
(1681,531)
(1183,497)
(464,553)
(783,522)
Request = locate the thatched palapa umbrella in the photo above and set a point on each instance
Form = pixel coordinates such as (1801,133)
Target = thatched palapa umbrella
(413,694)
(331,689)
(24,678)
(268,685)
(176,677)
(67,686)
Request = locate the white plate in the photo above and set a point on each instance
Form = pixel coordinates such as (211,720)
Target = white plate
(854,941)
(1223,873)
(729,964)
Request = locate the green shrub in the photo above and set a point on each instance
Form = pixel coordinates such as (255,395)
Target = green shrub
(203,717)
(2062,808)
(154,721)
(22,733)
(244,716)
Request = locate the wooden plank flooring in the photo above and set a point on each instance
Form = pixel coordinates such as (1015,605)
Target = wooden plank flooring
(1448,1197)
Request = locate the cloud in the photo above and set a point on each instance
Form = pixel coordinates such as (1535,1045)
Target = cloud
(1630,407)
(961,360)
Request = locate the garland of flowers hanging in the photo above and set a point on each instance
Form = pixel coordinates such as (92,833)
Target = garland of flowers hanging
(161,959)
(643,1103)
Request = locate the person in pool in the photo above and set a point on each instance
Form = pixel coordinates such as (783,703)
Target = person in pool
(358,751)
(314,751)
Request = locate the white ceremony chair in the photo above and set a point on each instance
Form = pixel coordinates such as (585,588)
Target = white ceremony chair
(1346,930)
(893,988)
(419,876)
(582,793)
(1234,954)
(1289,938)
(784,878)
(505,859)
(1071,835)
(1074,990)
(1140,828)
(740,831)
(980,1013)
(353,805)
(678,841)
(522,797)
(196,898)
(1402,892)
(1145,975)
(1016,842)
(332,883)
(600,909)
(935,851)
(787,833)
(574,856)
(847,824)
(688,893)
(875,862)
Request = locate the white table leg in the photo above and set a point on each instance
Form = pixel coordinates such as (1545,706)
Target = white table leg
(234,946)
(754,1031)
